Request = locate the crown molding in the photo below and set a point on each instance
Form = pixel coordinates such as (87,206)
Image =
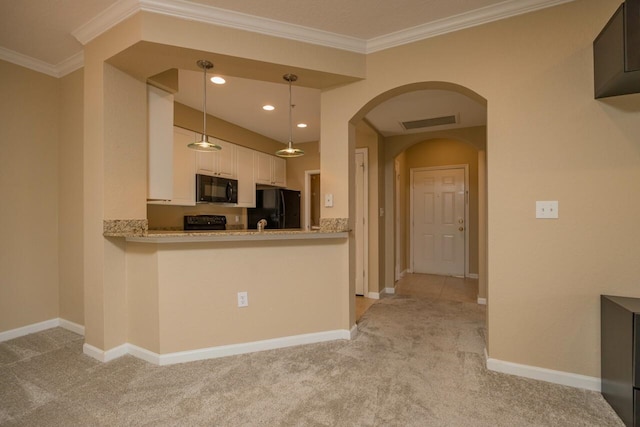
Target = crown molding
(184,9)
(67,66)
(28,62)
(230,19)
(106,20)
(470,19)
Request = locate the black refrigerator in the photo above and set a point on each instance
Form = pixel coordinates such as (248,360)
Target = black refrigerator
(279,207)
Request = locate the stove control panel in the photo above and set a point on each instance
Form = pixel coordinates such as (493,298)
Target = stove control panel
(205,222)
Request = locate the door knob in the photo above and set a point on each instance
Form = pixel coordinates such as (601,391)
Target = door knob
(460,221)
(461,229)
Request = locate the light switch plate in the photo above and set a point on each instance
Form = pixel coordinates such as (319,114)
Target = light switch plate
(547,209)
(328,200)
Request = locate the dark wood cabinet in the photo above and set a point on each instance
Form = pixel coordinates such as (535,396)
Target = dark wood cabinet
(620,356)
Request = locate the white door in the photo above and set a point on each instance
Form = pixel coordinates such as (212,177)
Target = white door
(438,217)
(361,223)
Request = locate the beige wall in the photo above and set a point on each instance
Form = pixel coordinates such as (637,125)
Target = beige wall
(182,287)
(29,176)
(547,139)
(444,152)
(70,198)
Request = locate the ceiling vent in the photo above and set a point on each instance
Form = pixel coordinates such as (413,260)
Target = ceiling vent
(426,123)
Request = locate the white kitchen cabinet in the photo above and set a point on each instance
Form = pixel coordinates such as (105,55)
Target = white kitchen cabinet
(218,163)
(160,144)
(182,171)
(270,170)
(246,178)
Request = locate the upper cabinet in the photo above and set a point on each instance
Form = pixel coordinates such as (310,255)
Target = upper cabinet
(182,171)
(246,178)
(160,133)
(270,170)
(218,163)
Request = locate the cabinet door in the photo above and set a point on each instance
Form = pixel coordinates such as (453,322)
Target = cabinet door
(205,160)
(226,159)
(246,178)
(181,171)
(217,163)
(184,165)
(263,168)
(279,171)
(160,160)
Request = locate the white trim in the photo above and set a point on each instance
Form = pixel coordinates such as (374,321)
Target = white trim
(543,374)
(70,326)
(105,20)
(29,329)
(41,326)
(389,291)
(482,301)
(373,295)
(123,9)
(469,19)
(365,213)
(307,197)
(105,356)
(473,276)
(216,352)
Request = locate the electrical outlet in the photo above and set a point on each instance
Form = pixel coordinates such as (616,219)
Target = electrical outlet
(547,209)
(243,299)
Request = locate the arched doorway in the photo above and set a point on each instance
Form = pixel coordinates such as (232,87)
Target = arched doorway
(390,146)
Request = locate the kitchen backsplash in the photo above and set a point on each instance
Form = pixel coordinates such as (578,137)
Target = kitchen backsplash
(165,217)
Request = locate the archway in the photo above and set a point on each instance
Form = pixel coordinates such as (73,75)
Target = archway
(391,146)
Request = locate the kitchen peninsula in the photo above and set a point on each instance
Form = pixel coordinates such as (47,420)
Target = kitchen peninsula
(183,290)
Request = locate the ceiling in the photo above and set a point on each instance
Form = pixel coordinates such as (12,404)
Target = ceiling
(47,36)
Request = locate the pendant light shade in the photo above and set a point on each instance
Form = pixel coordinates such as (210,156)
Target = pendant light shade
(290,151)
(204,144)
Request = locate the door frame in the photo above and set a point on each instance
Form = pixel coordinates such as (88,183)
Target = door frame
(307,196)
(365,213)
(465,167)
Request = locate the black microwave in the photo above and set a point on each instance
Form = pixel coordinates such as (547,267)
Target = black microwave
(215,189)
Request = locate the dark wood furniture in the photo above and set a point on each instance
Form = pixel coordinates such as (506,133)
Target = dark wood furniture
(620,355)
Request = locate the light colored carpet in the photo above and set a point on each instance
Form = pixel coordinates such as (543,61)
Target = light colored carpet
(417,361)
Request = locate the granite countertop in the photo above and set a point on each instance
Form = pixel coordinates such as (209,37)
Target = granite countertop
(175,236)
(137,231)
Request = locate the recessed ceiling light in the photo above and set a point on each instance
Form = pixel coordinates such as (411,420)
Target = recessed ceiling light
(268,107)
(302,125)
(218,80)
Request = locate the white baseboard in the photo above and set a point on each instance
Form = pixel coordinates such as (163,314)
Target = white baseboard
(482,301)
(542,374)
(29,329)
(73,327)
(473,276)
(216,352)
(105,356)
(41,326)
(390,291)
(373,295)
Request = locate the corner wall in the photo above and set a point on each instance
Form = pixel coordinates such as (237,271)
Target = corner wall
(70,221)
(29,193)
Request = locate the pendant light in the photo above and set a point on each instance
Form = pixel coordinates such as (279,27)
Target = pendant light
(290,151)
(204,144)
